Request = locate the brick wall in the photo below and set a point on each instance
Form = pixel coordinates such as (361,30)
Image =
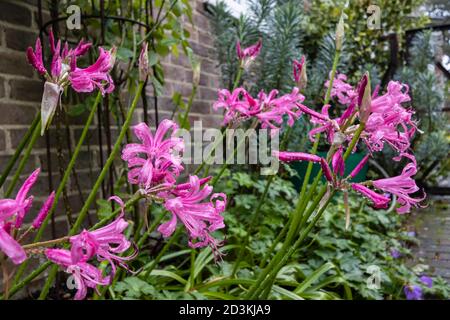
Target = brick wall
(21,92)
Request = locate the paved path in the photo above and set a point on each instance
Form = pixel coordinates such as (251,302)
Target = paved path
(433,231)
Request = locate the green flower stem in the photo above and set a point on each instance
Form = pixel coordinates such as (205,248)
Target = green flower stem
(255,219)
(238,77)
(231,157)
(354,141)
(12,161)
(63,182)
(15,288)
(191,279)
(256,215)
(337,55)
(146,234)
(93,193)
(150,266)
(275,242)
(189,106)
(45,243)
(135,198)
(216,143)
(272,275)
(257,287)
(23,161)
(277,262)
(301,203)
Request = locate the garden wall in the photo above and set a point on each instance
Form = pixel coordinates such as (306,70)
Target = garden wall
(21,92)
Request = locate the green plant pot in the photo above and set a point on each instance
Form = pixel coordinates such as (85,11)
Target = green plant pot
(350,164)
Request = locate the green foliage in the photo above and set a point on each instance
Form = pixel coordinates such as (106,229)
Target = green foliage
(432,146)
(278,25)
(363,44)
(334,263)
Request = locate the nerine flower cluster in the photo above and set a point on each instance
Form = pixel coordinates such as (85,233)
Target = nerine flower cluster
(64,72)
(155,165)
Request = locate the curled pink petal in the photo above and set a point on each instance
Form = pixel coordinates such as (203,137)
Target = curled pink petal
(295,156)
(378,200)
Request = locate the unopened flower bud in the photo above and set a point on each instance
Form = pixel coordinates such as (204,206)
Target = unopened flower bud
(37,222)
(113,54)
(326,170)
(300,76)
(247,55)
(196,71)
(364,98)
(143,62)
(340,33)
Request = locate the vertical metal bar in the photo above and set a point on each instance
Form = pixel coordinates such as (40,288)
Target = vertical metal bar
(155,98)
(106,106)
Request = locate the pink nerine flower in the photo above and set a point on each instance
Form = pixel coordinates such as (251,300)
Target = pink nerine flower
(35,57)
(359,166)
(85,274)
(12,213)
(269,109)
(199,218)
(342,90)
(247,55)
(390,122)
(64,72)
(153,161)
(236,107)
(106,243)
(326,124)
(387,121)
(273,109)
(94,76)
(402,186)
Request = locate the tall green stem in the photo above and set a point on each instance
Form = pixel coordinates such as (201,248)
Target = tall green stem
(269,280)
(93,193)
(216,143)
(24,160)
(281,257)
(185,118)
(238,77)
(303,200)
(149,267)
(12,161)
(256,215)
(64,180)
(231,157)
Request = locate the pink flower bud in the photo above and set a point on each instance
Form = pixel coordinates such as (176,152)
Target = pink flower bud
(45,209)
(299,70)
(338,163)
(364,98)
(247,55)
(35,58)
(360,165)
(326,170)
